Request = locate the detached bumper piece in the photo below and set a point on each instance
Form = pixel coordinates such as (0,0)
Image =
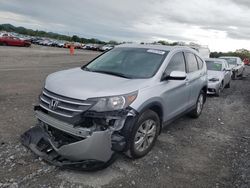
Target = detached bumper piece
(84,154)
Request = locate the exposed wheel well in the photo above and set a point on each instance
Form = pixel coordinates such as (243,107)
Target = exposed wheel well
(157,109)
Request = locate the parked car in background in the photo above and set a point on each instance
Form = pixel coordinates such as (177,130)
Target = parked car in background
(94,47)
(13,41)
(106,47)
(219,75)
(78,45)
(236,64)
(117,103)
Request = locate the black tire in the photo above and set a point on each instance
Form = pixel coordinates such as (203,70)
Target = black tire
(131,134)
(3,44)
(27,45)
(197,112)
(228,85)
(234,75)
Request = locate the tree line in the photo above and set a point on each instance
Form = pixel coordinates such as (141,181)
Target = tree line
(38,33)
(242,55)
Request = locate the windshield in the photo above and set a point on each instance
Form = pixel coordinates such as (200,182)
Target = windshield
(128,62)
(231,61)
(214,66)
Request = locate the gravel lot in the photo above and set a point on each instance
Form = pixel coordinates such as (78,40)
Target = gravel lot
(212,151)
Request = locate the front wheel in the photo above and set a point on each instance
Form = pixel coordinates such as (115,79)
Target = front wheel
(199,106)
(234,75)
(143,135)
(3,44)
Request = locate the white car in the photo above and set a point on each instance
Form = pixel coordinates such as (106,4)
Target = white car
(106,47)
(219,75)
(236,64)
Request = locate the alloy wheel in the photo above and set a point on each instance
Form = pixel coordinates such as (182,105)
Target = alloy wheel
(145,135)
(200,104)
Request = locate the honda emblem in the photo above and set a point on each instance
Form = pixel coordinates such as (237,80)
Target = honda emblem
(53,104)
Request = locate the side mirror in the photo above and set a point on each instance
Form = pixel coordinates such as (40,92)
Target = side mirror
(228,69)
(175,75)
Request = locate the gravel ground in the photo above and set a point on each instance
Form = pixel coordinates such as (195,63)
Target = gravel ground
(212,151)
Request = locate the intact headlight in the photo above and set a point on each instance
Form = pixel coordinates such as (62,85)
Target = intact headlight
(113,103)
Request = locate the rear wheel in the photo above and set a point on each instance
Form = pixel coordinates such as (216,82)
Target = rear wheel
(143,135)
(199,106)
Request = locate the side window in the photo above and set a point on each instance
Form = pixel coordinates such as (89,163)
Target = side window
(177,63)
(191,62)
(200,62)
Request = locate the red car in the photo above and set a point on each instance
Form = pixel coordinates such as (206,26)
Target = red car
(246,61)
(13,41)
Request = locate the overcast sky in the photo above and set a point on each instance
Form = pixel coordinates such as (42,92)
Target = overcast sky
(223,25)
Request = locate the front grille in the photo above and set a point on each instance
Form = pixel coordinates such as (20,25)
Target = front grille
(62,106)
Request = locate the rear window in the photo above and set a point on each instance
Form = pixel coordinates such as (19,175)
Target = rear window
(214,66)
(200,62)
(231,61)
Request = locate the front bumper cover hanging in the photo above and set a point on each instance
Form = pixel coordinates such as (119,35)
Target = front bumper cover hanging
(38,140)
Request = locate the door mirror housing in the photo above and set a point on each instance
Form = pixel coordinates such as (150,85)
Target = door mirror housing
(175,75)
(228,69)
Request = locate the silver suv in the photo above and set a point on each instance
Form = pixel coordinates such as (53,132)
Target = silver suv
(117,103)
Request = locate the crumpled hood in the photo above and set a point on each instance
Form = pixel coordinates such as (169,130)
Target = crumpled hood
(79,84)
(215,74)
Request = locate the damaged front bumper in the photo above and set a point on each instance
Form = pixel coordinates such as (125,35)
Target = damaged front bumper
(66,145)
(213,87)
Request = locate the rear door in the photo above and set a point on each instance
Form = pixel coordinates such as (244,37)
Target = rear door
(193,80)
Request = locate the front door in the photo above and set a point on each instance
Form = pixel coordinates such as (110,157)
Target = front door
(176,94)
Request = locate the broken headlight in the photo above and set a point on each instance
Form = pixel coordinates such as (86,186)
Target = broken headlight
(113,103)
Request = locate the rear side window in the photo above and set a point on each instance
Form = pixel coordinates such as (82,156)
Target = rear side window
(200,62)
(191,62)
(177,63)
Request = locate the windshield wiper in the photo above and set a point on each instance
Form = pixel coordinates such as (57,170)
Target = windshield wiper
(112,73)
(86,69)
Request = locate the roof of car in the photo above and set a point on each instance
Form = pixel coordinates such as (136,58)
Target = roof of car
(215,59)
(152,46)
(228,57)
